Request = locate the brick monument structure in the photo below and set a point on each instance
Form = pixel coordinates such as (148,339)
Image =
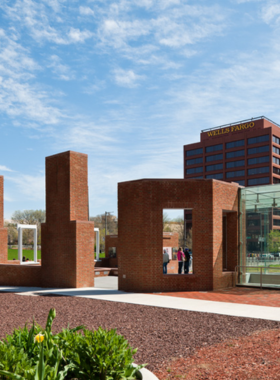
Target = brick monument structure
(214,207)
(67,235)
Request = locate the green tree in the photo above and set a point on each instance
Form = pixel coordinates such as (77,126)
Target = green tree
(166,220)
(30,217)
(112,227)
(274,241)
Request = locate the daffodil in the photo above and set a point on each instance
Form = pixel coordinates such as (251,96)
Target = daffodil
(39,338)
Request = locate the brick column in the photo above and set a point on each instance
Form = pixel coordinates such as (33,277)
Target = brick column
(3,231)
(67,235)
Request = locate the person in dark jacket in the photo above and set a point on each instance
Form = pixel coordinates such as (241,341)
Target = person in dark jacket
(187,260)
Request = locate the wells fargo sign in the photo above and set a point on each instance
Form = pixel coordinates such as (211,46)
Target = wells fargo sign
(234,128)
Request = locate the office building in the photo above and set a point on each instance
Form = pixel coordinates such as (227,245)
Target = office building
(246,152)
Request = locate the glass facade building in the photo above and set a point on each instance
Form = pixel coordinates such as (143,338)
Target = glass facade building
(259,250)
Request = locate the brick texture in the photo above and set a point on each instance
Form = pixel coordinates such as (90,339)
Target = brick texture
(67,235)
(140,205)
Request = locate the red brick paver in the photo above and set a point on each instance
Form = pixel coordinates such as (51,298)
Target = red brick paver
(235,295)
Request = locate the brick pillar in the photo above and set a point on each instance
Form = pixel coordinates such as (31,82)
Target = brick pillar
(3,231)
(67,235)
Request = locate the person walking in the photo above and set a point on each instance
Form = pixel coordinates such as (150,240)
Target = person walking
(180,255)
(165,261)
(187,260)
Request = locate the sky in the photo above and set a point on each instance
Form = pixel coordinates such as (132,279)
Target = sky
(128,82)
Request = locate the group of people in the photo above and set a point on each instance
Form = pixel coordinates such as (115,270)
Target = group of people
(184,260)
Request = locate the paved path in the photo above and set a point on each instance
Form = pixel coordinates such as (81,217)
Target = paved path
(108,292)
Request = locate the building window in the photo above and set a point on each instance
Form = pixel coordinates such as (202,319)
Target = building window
(199,177)
(276,160)
(215,157)
(276,211)
(276,140)
(260,149)
(194,161)
(235,144)
(258,160)
(241,182)
(258,181)
(276,170)
(276,180)
(276,150)
(264,169)
(238,173)
(276,222)
(213,148)
(209,168)
(194,152)
(257,140)
(215,176)
(237,153)
(235,164)
(199,169)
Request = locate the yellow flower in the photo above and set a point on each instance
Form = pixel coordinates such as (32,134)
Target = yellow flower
(39,338)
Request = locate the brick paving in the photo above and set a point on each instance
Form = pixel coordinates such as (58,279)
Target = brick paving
(248,296)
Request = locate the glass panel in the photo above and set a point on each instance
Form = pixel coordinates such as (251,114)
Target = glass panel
(257,140)
(213,148)
(234,144)
(259,255)
(194,152)
(199,169)
(194,161)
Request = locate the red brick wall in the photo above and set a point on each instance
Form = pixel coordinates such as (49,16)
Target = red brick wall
(140,226)
(67,235)
(110,241)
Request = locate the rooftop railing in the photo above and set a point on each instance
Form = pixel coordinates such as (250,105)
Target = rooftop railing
(239,122)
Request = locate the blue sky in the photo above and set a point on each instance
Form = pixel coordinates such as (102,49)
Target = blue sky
(127,82)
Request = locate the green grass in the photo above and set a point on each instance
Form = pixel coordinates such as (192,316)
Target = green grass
(268,269)
(28,253)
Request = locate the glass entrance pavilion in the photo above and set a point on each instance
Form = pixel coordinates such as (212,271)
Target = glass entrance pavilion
(259,223)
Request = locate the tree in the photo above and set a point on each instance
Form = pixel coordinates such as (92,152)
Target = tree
(274,241)
(30,217)
(12,232)
(112,227)
(166,220)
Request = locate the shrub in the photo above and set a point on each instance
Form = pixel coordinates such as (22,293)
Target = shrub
(71,354)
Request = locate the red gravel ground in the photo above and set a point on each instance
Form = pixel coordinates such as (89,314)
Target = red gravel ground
(204,342)
(248,358)
(249,296)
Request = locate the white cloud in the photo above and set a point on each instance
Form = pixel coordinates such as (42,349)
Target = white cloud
(86,11)
(127,78)
(62,71)
(43,25)
(4,168)
(76,35)
(271,13)
(32,187)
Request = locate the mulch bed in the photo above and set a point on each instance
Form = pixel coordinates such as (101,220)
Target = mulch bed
(248,358)
(160,334)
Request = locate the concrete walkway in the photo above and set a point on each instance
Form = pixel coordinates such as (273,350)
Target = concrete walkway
(108,292)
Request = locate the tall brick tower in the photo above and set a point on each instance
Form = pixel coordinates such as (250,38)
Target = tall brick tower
(67,235)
